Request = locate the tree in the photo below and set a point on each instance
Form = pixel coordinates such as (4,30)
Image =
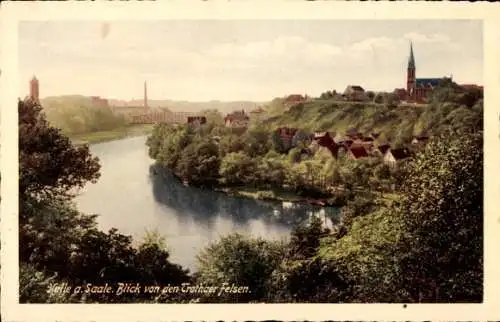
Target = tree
(59,244)
(302,276)
(442,209)
(379,98)
(277,142)
(49,165)
(237,168)
(199,163)
(247,262)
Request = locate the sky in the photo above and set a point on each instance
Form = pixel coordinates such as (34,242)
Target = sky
(258,60)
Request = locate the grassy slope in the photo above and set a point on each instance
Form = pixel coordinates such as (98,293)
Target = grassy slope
(329,115)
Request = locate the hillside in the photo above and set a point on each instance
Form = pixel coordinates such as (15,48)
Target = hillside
(398,123)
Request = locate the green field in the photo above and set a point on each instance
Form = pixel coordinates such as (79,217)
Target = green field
(110,135)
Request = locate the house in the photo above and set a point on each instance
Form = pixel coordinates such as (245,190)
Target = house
(257,113)
(324,139)
(237,119)
(355,93)
(420,140)
(292,100)
(357,152)
(286,134)
(382,149)
(196,120)
(394,155)
(347,143)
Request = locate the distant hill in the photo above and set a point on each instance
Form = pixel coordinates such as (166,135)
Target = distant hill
(186,106)
(175,106)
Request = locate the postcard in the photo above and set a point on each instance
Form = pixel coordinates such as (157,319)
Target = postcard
(332,160)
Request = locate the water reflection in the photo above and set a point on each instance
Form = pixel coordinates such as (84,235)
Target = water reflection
(134,195)
(203,205)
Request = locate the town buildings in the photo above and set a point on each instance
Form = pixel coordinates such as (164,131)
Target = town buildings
(237,119)
(196,120)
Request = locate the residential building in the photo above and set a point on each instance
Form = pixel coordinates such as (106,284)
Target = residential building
(324,139)
(355,93)
(257,114)
(392,156)
(292,100)
(196,120)
(286,134)
(357,152)
(237,119)
(381,149)
(418,140)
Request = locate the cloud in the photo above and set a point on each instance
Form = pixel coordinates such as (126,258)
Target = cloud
(421,38)
(283,49)
(116,58)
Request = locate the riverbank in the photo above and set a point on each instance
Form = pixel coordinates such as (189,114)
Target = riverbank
(111,135)
(262,194)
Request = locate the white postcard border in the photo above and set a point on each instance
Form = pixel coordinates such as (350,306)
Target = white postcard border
(13,12)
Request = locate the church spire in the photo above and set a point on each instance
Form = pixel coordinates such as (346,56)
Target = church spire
(411,60)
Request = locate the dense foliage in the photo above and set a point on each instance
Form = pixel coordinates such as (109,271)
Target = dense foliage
(57,243)
(410,233)
(78,116)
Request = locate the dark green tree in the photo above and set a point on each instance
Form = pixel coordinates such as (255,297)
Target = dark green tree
(442,209)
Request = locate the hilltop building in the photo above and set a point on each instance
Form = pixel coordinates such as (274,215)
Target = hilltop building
(293,99)
(35,89)
(355,93)
(417,89)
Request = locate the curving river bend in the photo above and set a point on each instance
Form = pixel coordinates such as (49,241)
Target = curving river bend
(134,195)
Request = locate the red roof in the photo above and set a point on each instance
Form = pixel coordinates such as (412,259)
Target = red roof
(258,110)
(471,86)
(358,152)
(286,131)
(383,148)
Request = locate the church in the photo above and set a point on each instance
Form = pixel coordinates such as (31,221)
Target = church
(417,89)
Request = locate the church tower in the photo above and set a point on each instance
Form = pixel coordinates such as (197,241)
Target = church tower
(145,95)
(410,75)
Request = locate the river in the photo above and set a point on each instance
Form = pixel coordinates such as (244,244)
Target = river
(134,195)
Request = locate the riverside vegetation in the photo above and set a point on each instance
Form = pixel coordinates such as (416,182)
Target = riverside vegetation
(82,122)
(422,245)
